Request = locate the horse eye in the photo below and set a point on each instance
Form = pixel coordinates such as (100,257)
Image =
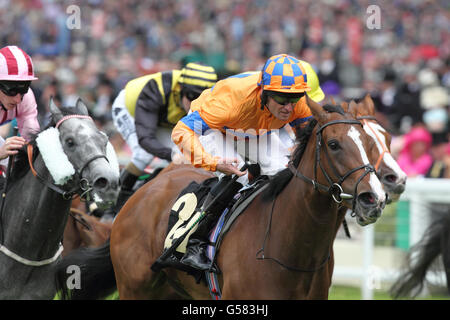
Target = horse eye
(334,145)
(70,143)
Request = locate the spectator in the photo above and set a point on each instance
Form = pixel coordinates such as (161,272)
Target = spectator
(440,151)
(406,110)
(127,39)
(415,158)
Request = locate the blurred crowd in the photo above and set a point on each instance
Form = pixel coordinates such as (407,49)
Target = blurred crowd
(404,62)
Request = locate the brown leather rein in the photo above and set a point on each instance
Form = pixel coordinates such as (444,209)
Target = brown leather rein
(83,186)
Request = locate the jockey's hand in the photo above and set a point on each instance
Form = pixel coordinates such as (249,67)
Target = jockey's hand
(229,167)
(11,145)
(178,158)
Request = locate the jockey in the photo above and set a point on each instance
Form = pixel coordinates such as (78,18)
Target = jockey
(145,112)
(16,99)
(239,119)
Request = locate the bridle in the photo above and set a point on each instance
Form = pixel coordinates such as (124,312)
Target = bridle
(83,187)
(334,188)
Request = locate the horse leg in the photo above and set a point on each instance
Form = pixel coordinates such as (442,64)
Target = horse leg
(71,237)
(158,287)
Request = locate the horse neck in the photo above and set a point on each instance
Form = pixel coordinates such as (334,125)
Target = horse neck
(34,216)
(308,218)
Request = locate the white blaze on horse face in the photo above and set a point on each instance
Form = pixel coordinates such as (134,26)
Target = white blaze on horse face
(377,133)
(374,182)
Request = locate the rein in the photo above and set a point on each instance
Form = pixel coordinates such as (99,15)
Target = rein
(334,189)
(83,186)
(295,269)
(15,256)
(67,195)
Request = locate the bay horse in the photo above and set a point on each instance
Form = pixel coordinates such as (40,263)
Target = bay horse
(293,223)
(389,172)
(72,159)
(87,230)
(84,230)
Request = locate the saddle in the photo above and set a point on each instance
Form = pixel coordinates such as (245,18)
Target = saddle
(186,211)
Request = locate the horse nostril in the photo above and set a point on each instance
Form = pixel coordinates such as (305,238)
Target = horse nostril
(101,183)
(367,199)
(399,188)
(390,178)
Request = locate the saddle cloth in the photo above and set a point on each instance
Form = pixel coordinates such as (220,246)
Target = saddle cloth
(186,210)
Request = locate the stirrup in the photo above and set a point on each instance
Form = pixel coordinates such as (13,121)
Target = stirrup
(195,255)
(210,266)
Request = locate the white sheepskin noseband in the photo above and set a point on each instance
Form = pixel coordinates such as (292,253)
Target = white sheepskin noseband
(54,157)
(56,160)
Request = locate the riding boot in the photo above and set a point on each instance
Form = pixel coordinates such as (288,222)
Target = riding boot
(195,255)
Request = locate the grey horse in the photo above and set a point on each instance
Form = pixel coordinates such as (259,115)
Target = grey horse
(36,207)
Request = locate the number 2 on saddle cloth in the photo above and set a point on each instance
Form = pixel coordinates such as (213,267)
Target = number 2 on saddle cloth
(183,215)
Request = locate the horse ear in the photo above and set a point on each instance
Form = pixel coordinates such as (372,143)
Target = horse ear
(316,110)
(54,110)
(332,101)
(353,108)
(369,105)
(81,107)
(344,106)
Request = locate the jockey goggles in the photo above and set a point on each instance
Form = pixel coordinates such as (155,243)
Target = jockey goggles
(12,88)
(190,95)
(284,100)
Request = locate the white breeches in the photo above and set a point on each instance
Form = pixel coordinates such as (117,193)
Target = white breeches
(270,151)
(124,123)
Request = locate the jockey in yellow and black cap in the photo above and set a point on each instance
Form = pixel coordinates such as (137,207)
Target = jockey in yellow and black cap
(146,110)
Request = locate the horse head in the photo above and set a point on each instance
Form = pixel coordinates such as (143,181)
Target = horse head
(389,172)
(343,163)
(89,152)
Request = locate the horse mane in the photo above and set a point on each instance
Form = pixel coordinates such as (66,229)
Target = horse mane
(280,180)
(21,166)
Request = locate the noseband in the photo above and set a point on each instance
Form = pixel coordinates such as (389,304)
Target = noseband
(83,186)
(334,188)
